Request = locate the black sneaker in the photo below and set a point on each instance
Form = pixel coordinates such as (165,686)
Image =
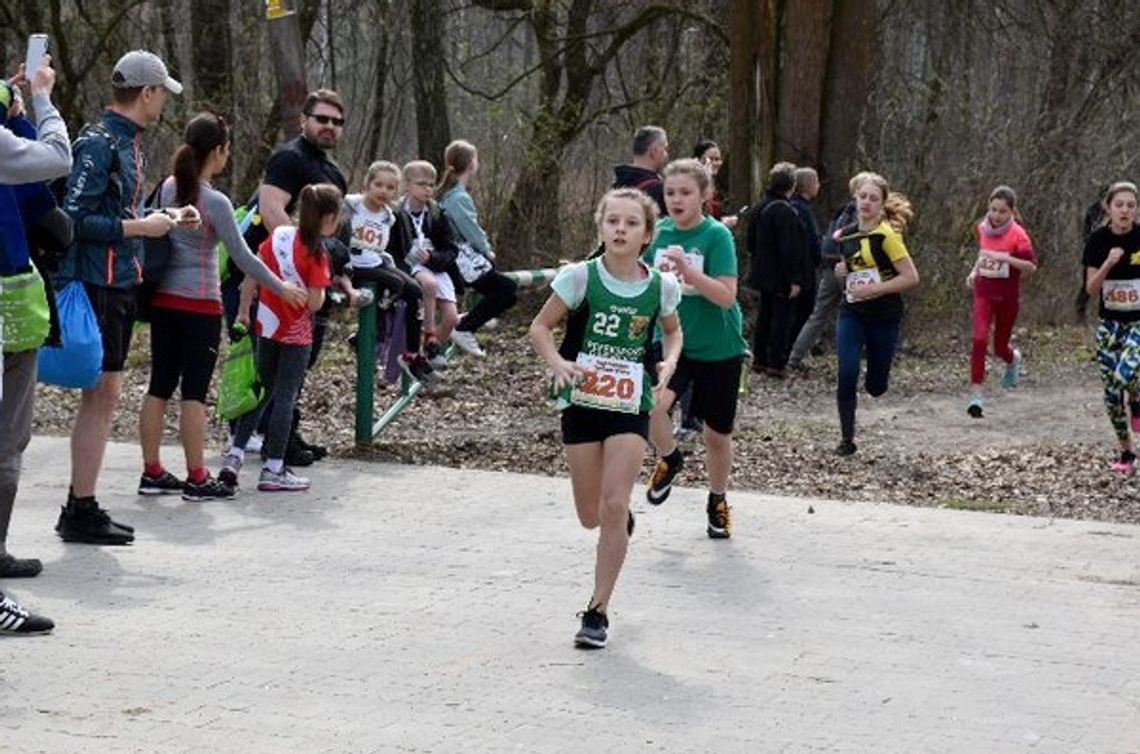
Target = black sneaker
(720,519)
(163,484)
(16,621)
(592,634)
(296,456)
(661,483)
(318,451)
(210,489)
(91,525)
(845,448)
(19,568)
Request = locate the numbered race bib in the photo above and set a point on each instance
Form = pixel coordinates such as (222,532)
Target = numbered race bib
(1121,295)
(609,384)
(860,278)
(990,267)
(695,260)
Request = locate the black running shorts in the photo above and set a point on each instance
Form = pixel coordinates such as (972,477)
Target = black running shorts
(581,424)
(715,387)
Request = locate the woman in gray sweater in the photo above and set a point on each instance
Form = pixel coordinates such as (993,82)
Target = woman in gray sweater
(186,319)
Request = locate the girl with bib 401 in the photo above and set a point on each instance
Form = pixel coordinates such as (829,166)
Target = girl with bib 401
(604,377)
(1112,271)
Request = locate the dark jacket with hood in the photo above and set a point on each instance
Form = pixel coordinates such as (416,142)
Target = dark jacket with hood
(643,179)
(778,247)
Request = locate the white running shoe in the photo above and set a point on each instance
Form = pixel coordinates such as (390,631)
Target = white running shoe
(466,342)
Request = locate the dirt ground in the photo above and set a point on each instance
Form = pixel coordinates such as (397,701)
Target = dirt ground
(1042,449)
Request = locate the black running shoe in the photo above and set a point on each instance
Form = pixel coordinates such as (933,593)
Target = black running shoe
(19,568)
(16,621)
(210,489)
(163,484)
(720,519)
(91,525)
(418,368)
(592,634)
(845,448)
(661,483)
(319,451)
(296,456)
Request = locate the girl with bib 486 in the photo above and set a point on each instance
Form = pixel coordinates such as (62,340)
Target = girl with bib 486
(604,379)
(1112,270)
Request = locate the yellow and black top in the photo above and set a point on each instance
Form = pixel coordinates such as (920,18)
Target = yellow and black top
(870,256)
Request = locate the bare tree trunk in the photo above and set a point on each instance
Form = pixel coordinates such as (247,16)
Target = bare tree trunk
(429,31)
(851,63)
(744,95)
(211,55)
(288,52)
(380,78)
(804,40)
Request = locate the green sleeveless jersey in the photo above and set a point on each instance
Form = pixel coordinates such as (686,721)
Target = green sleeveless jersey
(609,335)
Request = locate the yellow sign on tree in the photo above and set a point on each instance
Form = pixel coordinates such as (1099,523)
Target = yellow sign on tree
(276,9)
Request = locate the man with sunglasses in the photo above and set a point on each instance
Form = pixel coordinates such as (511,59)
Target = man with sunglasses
(297,163)
(24,159)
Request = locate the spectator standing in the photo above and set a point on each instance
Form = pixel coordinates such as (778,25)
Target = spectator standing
(643,172)
(805,191)
(780,270)
(709,155)
(22,161)
(186,310)
(104,199)
(299,162)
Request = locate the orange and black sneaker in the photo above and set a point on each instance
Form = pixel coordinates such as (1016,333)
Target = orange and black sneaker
(661,483)
(720,517)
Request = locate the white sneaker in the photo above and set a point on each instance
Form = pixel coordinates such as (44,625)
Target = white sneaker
(466,342)
(285,481)
(256,441)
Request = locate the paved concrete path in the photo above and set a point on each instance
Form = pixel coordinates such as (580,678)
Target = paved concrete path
(405,609)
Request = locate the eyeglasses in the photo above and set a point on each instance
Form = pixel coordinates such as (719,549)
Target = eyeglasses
(325,120)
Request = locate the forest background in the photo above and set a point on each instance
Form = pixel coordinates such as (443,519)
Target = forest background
(946,98)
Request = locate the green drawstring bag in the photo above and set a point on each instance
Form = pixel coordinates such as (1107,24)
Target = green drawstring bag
(23,312)
(239,391)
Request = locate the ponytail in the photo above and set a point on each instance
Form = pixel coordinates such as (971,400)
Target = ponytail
(457,158)
(318,201)
(897,211)
(204,133)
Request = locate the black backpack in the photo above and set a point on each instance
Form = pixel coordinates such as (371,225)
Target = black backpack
(156,260)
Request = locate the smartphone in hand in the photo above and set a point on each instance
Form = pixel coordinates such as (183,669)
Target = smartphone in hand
(37,48)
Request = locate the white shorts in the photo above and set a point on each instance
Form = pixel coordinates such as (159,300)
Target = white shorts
(445,287)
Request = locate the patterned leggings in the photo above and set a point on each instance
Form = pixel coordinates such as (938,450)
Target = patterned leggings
(1118,356)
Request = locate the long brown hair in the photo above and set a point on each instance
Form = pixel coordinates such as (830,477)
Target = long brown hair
(456,159)
(318,201)
(204,133)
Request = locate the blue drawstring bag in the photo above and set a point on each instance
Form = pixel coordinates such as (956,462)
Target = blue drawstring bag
(79,361)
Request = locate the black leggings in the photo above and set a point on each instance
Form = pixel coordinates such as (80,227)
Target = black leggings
(183,347)
(403,287)
(499,294)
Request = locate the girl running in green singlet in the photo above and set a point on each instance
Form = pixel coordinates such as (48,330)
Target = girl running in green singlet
(604,382)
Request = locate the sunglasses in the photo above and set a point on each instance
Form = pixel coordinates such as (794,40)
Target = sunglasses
(325,120)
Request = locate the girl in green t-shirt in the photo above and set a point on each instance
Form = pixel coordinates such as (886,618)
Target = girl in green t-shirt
(702,253)
(601,375)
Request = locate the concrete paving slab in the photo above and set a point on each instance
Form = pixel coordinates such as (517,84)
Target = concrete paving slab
(420,609)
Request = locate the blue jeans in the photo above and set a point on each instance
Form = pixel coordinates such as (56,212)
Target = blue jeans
(852,336)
